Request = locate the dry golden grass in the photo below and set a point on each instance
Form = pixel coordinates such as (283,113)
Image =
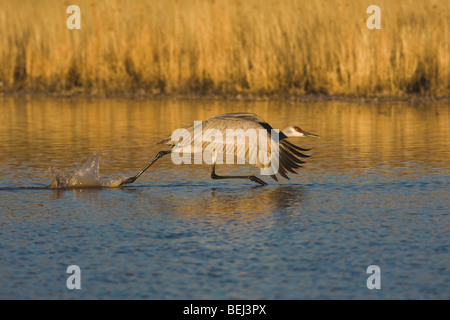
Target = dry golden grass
(256,47)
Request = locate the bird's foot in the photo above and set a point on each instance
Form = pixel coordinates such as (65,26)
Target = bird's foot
(128,180)
(257,180)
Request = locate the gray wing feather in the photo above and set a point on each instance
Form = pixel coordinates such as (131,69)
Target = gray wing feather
(242,148)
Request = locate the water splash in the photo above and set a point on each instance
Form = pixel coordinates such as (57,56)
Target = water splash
(86,176)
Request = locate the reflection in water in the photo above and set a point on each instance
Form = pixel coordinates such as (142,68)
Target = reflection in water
(278,196)
(67,130)
(252,201)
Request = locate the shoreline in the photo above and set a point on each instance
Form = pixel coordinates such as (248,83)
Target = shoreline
(227,97)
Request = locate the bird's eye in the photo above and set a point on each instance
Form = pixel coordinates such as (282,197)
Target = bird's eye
(298,129)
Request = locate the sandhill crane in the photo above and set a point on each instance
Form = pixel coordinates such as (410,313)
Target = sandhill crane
(288,153)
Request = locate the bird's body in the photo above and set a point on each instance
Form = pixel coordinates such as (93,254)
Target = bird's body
(200,136)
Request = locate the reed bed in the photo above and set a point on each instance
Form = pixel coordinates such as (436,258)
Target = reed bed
(226,47)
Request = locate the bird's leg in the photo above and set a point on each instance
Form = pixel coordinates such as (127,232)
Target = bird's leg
(133,178)
(252,178)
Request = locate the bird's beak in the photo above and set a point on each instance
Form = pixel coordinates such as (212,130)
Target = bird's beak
(307,134)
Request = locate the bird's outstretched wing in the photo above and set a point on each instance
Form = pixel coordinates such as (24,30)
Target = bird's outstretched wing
(251,143)
(240,115)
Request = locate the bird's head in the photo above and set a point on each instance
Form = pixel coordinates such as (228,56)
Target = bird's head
(294,131)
